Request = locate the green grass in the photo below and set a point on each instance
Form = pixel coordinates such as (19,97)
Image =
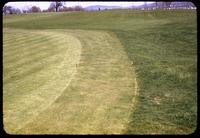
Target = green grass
(162,45)
(166,64)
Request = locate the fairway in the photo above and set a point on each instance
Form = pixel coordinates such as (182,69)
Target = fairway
(62,96)
(114,72)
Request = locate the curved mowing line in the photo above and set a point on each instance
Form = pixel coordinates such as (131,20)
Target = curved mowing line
(136,94)
(136,88)
(100,98)
(30,105)
(46,105)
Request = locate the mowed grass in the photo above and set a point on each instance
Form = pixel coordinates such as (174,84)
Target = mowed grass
(166,66)
(51,100)
(162,45)
(100,97)
(35,73)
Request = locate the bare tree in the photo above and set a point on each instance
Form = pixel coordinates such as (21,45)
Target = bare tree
(51,7)
(55,6)
(58,5)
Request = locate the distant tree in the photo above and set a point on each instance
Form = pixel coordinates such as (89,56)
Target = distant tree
(35,9)
(165,5)
(189,5)
(65,9)
(168,4)
(7,10)
(45,10)
(51,7)
(16,11)
(10,10)
(78,8)
(58,5)
(55,6)
(27,9)
(4,10)
(24,11)
(182,5)
(160,5)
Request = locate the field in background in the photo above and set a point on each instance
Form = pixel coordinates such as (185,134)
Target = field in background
(161,47)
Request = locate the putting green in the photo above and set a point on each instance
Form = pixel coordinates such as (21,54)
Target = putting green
(90,91)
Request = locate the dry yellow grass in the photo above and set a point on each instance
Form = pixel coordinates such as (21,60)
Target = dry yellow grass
(20,109)
(99,98)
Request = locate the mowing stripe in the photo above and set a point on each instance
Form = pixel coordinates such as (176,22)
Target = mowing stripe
(13,76)
(32,43)
(26,53)
(99,99)
(30,104)
(36,60)
(13,48)
(32,57)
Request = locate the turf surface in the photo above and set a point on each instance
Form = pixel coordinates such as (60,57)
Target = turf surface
(159,46)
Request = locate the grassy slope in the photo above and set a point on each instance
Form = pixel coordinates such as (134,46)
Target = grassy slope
(163,46)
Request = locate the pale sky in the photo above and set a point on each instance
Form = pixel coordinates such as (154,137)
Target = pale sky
(45,5)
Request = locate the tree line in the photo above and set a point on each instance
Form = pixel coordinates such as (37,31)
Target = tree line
(53,7)
(59,6)
(168,5)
